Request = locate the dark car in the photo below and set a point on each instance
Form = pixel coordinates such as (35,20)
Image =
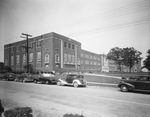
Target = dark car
(8,77)
(24,77)
(137,83)
(72,79)
(46,78)
(20,77)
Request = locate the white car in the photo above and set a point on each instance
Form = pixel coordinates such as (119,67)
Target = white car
(72,79)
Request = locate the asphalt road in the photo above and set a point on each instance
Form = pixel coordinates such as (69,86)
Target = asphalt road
(90,101)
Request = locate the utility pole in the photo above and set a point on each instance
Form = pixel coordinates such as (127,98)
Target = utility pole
(27,49)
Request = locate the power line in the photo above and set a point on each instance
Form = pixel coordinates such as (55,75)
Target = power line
(114,12)
(114,27)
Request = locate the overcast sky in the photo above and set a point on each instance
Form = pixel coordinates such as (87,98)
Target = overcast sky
(98,24)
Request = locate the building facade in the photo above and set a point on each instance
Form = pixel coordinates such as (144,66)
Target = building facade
(46,53)
(90,62)
(55,52)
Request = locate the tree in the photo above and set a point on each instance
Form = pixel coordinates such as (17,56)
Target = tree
(131,57)
(147,60)
(116,54)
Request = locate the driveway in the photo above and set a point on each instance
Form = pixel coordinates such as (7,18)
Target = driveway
(55,101)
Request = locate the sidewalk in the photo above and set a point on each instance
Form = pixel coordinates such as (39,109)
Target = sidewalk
(102,84)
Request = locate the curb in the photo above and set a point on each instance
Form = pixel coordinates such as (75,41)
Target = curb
(102,84)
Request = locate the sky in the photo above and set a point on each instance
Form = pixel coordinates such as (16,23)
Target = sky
(99,25)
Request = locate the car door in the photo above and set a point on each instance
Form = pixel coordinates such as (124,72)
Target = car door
(141,83)
(69,79)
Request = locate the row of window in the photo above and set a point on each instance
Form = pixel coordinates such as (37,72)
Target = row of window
(90,68)
(90,57)
(46,59)
(69,45)
(23,46)
(90,62)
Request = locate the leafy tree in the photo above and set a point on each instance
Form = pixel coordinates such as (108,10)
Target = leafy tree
(147,61)
(116,54)
(131,57)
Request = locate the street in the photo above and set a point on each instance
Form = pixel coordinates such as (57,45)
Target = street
(55,101)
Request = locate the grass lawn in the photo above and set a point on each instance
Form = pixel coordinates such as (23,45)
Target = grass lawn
(105,79)
(101,79)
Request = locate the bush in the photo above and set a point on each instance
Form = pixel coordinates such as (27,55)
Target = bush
(19,112)
(71,115)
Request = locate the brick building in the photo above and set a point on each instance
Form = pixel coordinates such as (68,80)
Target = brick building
(90,62)
(56,52)
(46,53)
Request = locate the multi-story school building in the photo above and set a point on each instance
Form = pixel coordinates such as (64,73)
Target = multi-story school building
(54,52)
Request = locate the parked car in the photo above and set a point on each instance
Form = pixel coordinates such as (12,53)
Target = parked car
(141,83)
(8,76)
(2,75)
(72,79)
(28,78)
(20,77)
(46,78)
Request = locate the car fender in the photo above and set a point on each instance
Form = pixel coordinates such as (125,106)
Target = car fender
(128,84)
(62,81)
(79,83)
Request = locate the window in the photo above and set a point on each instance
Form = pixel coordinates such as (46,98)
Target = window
(73,59)
(17,59)
(69,45)
(57,58)
(17,48)
(69,58)
(12,49)
(23,47)
(143,78)
(82,55)
(12,60)
(73,46)
(46,58)
(31,44)
(24,58)
(81,61)
(65,57)
(86,62)
(38,56)
(31,57)
(91,57)
(38,43)
(65,44)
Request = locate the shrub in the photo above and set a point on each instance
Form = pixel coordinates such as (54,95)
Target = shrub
(19,112)
(71,115)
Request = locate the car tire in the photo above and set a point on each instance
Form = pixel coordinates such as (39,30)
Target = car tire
(75,84)
(35,81)
(124,88)
(59,84)
(47,82)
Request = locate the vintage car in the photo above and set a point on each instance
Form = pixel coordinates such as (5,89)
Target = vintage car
(24,77)
(8,76)
(72,79)
(136,83)
(46,78)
